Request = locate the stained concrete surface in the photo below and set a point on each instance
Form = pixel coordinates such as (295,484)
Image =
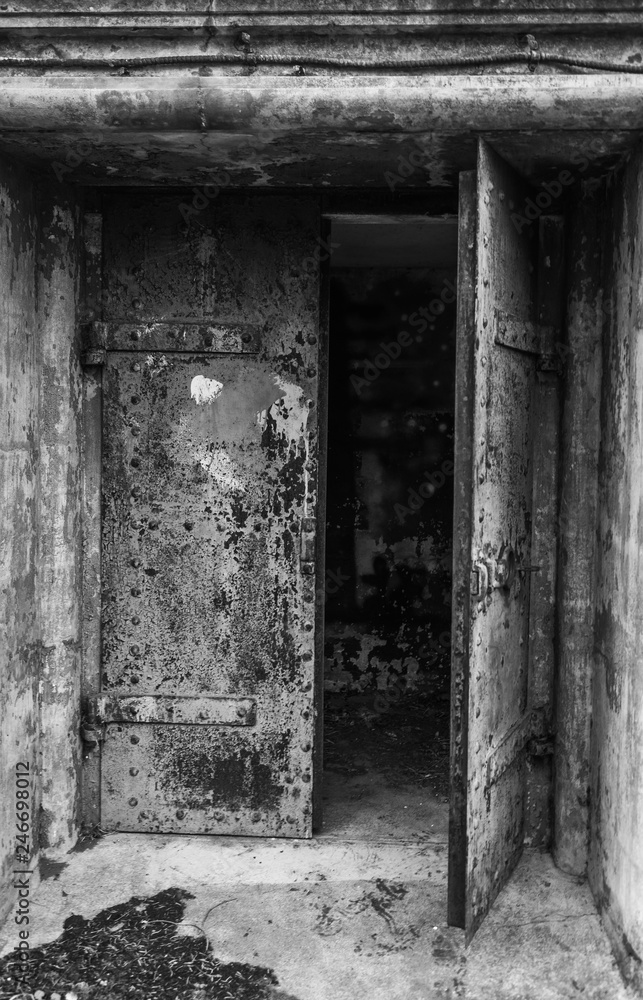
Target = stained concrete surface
(349,918)
(359,912)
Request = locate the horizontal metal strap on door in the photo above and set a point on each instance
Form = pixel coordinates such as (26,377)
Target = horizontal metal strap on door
(198,711)
(508,750)
(521,335)
(207,338)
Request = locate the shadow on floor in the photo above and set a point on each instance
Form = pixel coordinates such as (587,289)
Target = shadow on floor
(386,771)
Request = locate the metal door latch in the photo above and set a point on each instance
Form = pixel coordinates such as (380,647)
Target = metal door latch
(479,579)
(493,574)
(91,734)
(496,574)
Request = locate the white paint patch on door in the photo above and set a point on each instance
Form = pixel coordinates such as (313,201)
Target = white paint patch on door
(205,390)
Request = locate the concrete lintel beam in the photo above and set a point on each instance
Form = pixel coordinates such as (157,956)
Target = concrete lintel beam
(367,104)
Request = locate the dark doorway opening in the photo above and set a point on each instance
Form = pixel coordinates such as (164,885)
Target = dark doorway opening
(389,528)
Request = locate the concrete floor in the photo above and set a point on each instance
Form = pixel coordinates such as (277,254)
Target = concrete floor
(358,913)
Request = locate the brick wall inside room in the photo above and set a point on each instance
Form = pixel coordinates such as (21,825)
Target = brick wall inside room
(390,490)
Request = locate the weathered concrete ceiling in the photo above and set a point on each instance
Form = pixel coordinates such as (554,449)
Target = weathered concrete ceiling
(317,159)
(362,130)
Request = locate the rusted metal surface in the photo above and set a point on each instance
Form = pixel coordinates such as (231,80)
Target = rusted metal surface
(208,338)
(616,873)
(500,518)
(209,478)
(198,711)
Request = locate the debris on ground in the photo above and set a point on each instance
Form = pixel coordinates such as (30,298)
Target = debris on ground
(133,951)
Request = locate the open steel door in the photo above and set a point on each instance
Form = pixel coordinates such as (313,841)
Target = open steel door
(497,360)
(209,499)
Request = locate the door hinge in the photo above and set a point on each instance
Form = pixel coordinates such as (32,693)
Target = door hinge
(540,746)
(541,740)
(92,733)
(94,356)
(308,541)
(92,726)
(550,363)
(93,344)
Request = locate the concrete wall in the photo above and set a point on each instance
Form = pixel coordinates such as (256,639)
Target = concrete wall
(39,511)
(19,404)
(616,855)
(580,437)
(59,529)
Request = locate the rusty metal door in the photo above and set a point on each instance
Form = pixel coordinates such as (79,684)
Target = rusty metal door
(498,353)
(208,536)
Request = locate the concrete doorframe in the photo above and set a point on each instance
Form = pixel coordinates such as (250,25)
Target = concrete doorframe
(579,125)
